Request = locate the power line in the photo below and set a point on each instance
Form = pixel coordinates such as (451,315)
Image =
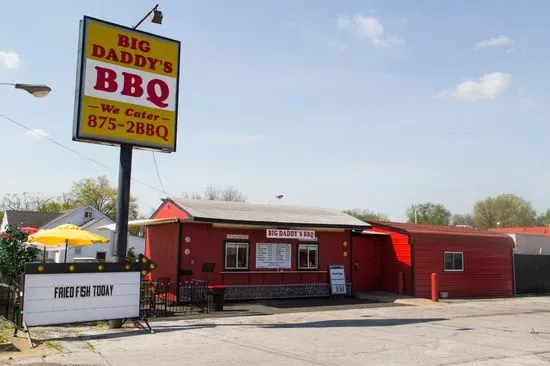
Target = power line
(163,191)
(158,174)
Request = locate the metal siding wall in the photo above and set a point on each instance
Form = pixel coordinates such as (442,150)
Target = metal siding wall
(532,273)
(487,265)
(395,258)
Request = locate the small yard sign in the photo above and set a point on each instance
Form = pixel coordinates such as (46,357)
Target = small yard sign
(337,277)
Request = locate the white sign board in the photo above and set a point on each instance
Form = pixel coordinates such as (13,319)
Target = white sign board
(62,298)
(337,277)
(237,236)
(291,234)
(270,255)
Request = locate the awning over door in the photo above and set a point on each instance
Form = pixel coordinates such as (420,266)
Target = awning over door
(142,223)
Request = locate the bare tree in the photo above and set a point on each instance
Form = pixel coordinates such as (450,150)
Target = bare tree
(214,193)
(26,201)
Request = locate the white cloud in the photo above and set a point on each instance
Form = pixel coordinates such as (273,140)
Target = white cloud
(511,50)
(36,134)
(338,46)
(493,42)
(488,86)
(9,59)
(369,28)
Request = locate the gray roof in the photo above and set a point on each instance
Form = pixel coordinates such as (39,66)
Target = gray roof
(30,218)
(60,219)
(266,214)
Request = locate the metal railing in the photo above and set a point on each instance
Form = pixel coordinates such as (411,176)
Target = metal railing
(10,303)
(163,298)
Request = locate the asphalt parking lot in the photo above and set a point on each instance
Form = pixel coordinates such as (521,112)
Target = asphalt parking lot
(485,332)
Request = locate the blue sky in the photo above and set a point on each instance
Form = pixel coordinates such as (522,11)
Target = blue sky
(367,104)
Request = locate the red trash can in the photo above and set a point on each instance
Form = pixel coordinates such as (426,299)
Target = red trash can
(217,292)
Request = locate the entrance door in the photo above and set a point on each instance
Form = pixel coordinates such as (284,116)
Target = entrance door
(365,264)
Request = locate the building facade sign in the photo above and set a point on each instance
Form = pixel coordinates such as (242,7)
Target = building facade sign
(291,234)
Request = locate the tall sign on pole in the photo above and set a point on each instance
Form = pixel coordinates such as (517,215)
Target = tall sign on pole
(127,89)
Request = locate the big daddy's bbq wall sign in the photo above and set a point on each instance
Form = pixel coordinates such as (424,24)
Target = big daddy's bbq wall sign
(127,87)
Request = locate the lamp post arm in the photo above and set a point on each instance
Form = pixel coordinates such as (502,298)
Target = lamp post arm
(146,15)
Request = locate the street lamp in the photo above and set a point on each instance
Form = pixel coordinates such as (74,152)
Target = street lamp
(38,91)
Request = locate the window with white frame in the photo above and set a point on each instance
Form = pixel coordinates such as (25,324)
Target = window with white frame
(236,256)
(308,256)
(454,261)
(88,214)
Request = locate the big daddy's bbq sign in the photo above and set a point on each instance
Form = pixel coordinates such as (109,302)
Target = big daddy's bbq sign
(127,87)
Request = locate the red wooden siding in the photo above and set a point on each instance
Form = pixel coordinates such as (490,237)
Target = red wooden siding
(161,245)
(207,245)
(487,264)
(169,210)
(395,259)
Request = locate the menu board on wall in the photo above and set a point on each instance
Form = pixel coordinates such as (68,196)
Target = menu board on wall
(271,255)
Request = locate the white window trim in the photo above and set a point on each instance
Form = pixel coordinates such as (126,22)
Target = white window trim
(88,214)
(238,244)
(453,270)
(308,251)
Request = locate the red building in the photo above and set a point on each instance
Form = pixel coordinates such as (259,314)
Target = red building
(274,251)
(258,251)
(470,263)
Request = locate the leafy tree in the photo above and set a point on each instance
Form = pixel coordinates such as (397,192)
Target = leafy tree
(62,203)
(505,210)
(366,215)
(131,256)
(14,253)
(543,219)
(429,213)
(218,194)
(99,194)
(459,219)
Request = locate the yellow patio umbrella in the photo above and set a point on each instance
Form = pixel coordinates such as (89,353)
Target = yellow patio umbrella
(70,235)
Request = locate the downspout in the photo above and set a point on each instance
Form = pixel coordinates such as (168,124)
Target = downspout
(514,289)
(178,269)
(350,255)
(413,257)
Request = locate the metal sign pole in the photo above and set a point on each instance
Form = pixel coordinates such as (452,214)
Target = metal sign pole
(123,202)
(123,199)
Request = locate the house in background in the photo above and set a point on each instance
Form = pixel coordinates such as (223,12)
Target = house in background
(27,219)
(86,217)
